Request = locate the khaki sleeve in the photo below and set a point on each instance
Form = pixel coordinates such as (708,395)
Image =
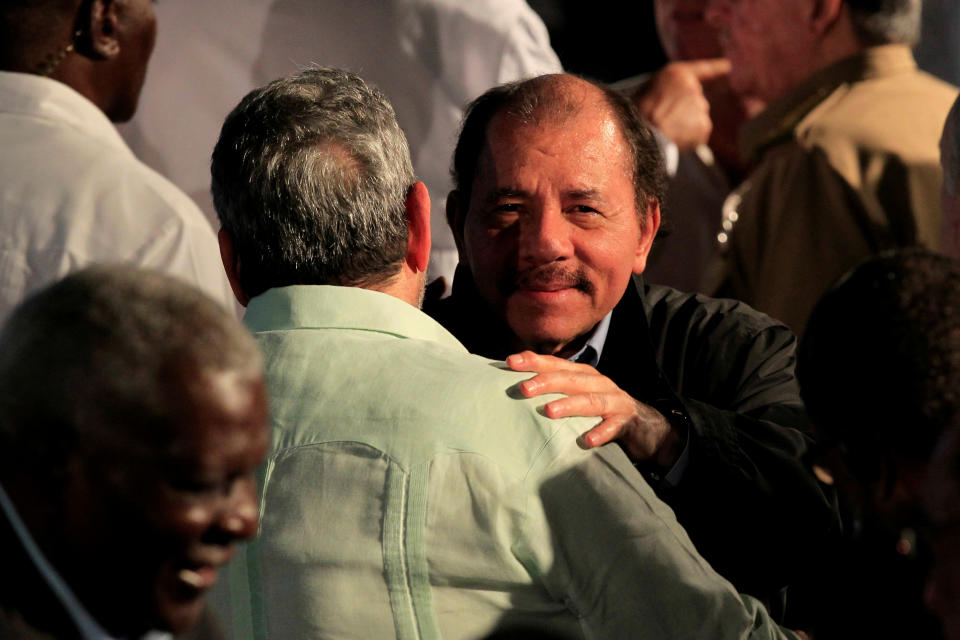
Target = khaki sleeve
(800,227)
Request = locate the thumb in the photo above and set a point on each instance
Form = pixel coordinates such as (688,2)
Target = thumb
(709,69)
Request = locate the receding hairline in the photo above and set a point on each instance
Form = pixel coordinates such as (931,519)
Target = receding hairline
(549,105)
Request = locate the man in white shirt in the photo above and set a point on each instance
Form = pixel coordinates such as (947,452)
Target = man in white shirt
(71,192)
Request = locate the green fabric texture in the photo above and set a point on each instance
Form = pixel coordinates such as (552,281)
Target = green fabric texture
(410,492)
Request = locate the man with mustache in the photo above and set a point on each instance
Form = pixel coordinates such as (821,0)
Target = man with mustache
(557,200)
(410,490)
(133,416)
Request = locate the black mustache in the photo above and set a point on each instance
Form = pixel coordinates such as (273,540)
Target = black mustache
(550,275)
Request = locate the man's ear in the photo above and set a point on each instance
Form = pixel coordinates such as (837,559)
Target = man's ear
(418,227)
(649,226)
(824,13)
(455,219)
(98,25)
(231,264)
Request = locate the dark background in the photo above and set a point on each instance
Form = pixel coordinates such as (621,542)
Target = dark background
(606,40)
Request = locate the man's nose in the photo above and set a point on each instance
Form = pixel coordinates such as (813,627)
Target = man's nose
(545,237)
(239,518)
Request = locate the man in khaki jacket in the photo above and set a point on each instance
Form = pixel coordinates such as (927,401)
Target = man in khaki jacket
(846,152)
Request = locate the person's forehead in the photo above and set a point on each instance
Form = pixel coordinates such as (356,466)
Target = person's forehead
(572,128)
(217,414)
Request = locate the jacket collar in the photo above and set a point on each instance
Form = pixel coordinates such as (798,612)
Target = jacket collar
(332,307)
(778,121)
(468,317)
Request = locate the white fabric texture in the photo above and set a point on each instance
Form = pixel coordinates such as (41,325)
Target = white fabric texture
(430,57)
(73,194)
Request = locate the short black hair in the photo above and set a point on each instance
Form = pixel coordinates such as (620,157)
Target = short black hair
(532,98)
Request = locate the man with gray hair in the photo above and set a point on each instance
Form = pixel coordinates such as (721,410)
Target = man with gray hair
(411,491)
(845,152)
(132,416)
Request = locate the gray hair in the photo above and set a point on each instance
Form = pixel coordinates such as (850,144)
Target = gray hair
(886,21)
(97,357)
(310,178)
(950,150)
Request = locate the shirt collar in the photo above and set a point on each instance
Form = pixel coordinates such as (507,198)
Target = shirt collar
(333,307)
(591,350)
(40,97)
(778,121)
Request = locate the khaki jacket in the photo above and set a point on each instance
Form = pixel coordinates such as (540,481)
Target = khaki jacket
(846,165)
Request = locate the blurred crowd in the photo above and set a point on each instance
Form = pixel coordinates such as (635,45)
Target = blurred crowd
(479,319)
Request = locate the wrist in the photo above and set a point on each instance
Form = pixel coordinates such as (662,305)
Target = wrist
(678,429)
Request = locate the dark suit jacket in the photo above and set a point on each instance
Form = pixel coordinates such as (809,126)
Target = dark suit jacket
(725,374)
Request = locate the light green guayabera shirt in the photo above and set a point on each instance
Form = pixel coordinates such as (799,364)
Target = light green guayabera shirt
(410,492)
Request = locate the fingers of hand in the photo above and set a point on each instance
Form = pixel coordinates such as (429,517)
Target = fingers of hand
(641,434)
(606,431)
(570,382)
(675,104)
(530,361)
(710,69)
(592,403)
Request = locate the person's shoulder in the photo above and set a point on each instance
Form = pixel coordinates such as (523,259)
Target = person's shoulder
(156,195)
(669,309)
(901,114)
(491,410)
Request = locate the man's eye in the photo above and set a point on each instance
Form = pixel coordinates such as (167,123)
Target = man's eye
(583,213)
(503,215)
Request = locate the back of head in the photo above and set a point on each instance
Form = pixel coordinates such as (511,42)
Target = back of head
(33,26)
(879,365)
(546,98)
(310,177)
(95,359)
(886,21)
